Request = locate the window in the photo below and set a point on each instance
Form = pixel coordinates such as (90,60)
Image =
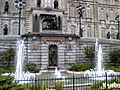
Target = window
(89,32)
(103,32)
(72,29)
(15,28)
(72,10)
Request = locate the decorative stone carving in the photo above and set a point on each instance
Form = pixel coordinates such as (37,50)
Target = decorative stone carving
(34,46)
(108,35)
(51,23)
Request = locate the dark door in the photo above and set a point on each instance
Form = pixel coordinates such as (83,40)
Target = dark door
(53,55)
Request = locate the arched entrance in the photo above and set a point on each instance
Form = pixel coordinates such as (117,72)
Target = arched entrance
(53,55)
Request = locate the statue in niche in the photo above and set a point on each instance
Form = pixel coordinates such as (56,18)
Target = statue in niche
(6,9)
(55,4)
(52,57)
(5,30)
(38,3)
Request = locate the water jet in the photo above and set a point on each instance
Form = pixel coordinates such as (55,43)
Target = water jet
(99,73)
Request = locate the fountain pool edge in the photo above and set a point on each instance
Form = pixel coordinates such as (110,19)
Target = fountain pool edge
(71,72)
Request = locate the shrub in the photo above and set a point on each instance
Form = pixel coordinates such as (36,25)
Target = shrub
(31,67)
(115,68)
(7,70)
(8,56)
(114,56)
(89,52)
(6,82)
(80,67)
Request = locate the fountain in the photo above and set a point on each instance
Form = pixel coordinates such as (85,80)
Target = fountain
(57,73)
(20,75)
(99,72)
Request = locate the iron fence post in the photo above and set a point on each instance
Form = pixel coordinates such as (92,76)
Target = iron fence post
(106,80)
(35,83)
(73,82)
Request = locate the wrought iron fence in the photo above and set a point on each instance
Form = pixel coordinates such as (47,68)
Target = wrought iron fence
(74,83)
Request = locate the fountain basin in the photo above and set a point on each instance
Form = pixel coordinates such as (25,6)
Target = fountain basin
(23,78)
(99,75)
(26,78)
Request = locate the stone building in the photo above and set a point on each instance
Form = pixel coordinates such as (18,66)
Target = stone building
(51,28)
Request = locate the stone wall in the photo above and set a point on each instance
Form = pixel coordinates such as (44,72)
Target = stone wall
(36,50)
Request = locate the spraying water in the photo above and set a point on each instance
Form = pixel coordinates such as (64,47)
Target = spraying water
(20,75)
(57,74)
(20,59)
(99,64)
(99,72)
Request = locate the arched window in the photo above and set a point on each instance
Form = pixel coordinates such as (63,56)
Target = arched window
(15,28)
(89,31)
(72,10)
(88,12)
(113,32)
(112,14)
(6,7)
(103,33)
(5,29)
(102,14)
(72,27)
(55,4)
(38,3)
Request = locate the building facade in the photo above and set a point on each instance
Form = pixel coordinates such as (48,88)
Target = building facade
(52,28)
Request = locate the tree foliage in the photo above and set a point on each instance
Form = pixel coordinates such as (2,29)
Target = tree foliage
(7,82)
(31,67)
(89,52)
(8,56)
(114,56)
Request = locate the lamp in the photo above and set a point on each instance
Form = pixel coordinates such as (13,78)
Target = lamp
(80,11)
(20,4)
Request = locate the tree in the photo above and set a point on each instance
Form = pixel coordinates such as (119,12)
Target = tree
(89,52)
(8,56)
(114,56)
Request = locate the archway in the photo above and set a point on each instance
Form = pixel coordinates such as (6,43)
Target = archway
(53,55)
